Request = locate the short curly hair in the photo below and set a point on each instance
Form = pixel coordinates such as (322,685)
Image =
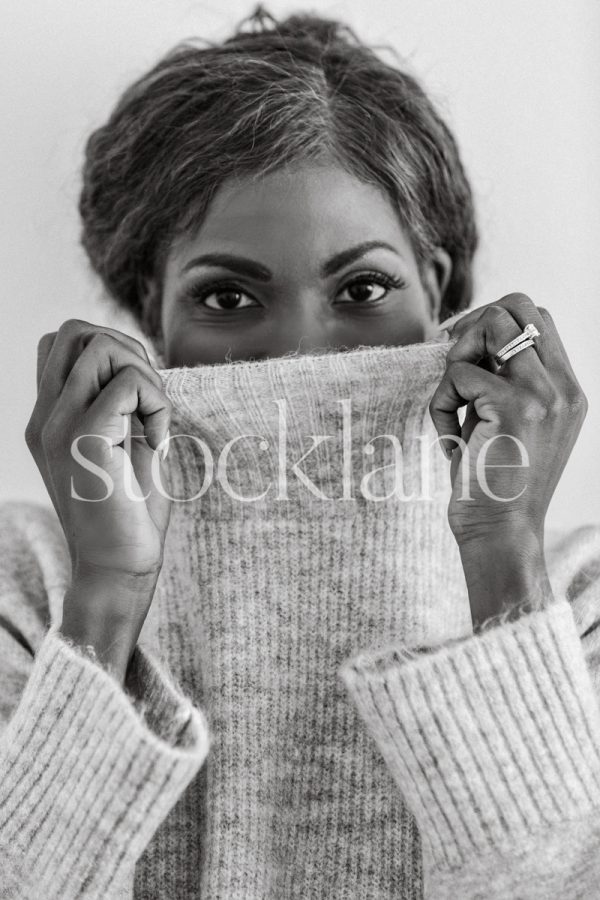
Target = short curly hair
(271,95)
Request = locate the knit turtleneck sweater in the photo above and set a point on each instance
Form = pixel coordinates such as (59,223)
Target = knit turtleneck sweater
(307,713)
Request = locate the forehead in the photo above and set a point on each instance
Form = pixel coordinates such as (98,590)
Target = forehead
(304,210)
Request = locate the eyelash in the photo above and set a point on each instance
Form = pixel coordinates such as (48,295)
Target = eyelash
(199,292)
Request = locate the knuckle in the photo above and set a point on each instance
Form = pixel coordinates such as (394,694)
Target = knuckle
(551,405)
(71,327)
(46,338)
(140,349)
(154,377)
(81,375)
(32,434)
(495,318)
(555,403)
(452,355)
(577,402)
(456,368)
(532,409)
(494,312)
(583,405)
(129,375)
(536,411)
(518,298)
(49,438)
(100,341)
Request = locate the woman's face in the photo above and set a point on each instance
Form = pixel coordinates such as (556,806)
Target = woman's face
(302,260)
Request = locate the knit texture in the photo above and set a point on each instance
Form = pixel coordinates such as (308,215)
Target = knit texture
(308,713)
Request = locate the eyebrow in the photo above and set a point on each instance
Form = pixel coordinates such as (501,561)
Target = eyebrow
(255,270)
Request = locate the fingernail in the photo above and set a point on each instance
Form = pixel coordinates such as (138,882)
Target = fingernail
(165,449)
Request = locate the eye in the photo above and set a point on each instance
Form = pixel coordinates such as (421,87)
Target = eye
(221,297)
(371,287)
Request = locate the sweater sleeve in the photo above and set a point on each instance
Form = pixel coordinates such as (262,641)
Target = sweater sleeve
(494,742)
(88,770)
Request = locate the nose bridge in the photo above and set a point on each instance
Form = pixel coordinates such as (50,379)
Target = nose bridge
(299,326)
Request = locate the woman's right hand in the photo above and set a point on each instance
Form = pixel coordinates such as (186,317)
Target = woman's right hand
(94,382)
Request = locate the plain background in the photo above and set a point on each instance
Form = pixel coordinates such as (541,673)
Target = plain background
(518,82)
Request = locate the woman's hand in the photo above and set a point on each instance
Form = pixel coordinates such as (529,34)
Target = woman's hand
(525,417)
(95,382)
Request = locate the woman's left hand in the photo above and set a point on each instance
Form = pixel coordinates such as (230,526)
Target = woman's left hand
(522,418)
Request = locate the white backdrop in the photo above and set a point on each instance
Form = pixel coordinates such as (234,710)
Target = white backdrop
(518,82)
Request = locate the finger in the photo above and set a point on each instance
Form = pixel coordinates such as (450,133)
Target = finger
(492,330)
(549,346)
(127,393)
(129,341)
(43,351)
(142,462)
(461,383)
(474,314)
(98,364)
(551,332)
(71,339)
(449,323)
(523,310)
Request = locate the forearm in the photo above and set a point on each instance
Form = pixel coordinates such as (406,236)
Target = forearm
(505,575)
(495,743)
(89,620)
(81,762)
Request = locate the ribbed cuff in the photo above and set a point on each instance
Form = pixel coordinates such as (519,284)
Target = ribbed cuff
(90,771)
(489,738)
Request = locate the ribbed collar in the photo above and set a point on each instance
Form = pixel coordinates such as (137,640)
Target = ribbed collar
(324,413)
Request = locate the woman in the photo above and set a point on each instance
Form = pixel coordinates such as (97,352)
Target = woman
(298,685)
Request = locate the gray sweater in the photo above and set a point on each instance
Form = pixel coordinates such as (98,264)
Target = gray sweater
(308,713)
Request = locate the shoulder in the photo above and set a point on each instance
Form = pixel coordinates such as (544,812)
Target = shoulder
(34,558)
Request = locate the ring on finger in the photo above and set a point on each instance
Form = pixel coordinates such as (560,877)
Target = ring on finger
(523,340)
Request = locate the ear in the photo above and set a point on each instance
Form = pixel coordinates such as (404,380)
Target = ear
(436,275)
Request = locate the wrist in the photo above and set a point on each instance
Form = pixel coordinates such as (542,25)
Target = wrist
(111,647)
(521,541)
(106,613)
(505,573)
(126,580)
(102,640)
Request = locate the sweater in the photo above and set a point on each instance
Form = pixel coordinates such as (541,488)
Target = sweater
(307,713)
